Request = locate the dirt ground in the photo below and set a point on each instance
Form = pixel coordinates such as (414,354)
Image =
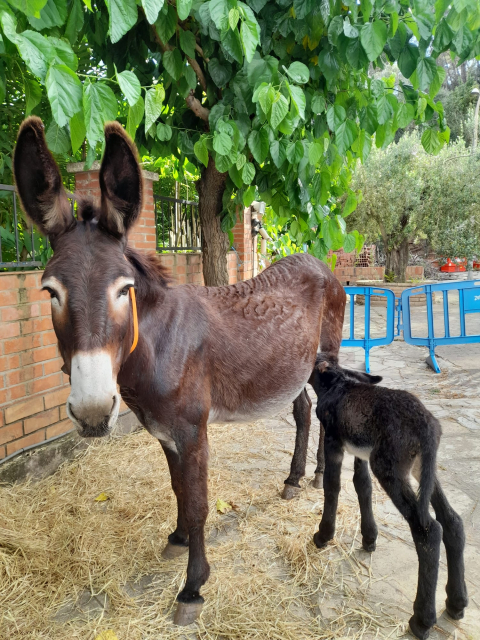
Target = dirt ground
(74,567)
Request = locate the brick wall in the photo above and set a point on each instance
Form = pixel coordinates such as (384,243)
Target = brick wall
(350,275)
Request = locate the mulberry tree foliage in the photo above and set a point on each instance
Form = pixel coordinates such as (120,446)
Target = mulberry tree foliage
(276,94)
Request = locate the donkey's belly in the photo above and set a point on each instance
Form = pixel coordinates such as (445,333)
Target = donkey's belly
(251,411)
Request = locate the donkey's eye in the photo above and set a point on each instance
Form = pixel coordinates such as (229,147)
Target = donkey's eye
(124,291)
(52,292)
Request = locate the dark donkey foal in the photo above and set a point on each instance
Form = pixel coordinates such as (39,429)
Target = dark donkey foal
(399,436)
(204,354)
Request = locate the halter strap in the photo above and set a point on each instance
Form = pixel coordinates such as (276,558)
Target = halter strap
(135,320)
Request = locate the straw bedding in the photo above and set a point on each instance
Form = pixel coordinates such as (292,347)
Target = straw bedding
(59,546)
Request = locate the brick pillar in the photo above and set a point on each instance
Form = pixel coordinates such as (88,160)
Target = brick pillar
(143,235)
(245,244)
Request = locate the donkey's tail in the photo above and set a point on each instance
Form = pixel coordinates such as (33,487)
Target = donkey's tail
(427,475)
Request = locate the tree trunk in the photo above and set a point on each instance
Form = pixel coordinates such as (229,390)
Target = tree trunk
(396,261)
(215,243)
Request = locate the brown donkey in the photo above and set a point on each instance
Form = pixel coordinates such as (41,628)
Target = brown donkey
(204,354)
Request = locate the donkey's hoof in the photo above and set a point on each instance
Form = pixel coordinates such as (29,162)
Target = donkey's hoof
(187,613)
(320,541)
(290,492)
(453,612)
(369,546)
(418,629)
(173,551)
(317,482)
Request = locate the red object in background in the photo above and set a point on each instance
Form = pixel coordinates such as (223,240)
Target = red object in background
(454,266)
(476,265)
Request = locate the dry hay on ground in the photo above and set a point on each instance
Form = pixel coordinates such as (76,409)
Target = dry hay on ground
(267,581)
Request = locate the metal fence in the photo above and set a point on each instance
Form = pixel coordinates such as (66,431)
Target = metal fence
(177,224)
(20,245)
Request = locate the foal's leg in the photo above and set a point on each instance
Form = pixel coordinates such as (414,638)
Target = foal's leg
(302,407)
(193,465)
(318,480)
(454,541)
(363,486)
(331,489)
(427,543)
(178,540)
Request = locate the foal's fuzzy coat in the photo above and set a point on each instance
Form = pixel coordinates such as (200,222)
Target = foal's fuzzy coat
(398,436)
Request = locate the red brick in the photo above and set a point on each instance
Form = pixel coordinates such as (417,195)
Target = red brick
(36,295)
(17,392)
(46,353)
(49,338)
(63,411)
(23,409)
(43,324)
(41,420)
(3,397)
(8,298)
(57,398)
(59,428)
(45,308)
(52,366)
(27,441)
(8,282)
(46,383)
(11,432)
(26,358)
(9,330)
(14,345)
(22,375)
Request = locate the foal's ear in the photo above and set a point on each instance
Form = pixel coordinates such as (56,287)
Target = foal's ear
(120,182)
(38,181)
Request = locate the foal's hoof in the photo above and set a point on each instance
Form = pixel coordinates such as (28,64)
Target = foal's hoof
(418,629)
(369,546)
(187,613)
(453,612)
(173,551)
(290,492)
(319,541)
(317,482)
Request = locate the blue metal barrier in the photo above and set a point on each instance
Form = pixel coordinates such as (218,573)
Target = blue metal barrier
(367,342)
(469,302)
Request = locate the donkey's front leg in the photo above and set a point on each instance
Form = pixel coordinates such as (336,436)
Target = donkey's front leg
(193,452)
(178,540)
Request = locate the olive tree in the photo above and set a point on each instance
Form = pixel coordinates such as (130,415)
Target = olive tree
(267,98)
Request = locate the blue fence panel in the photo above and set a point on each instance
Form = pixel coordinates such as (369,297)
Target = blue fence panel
(367,342)
(469,302)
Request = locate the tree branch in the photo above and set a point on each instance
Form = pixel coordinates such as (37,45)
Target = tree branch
(196,106)
(198,70)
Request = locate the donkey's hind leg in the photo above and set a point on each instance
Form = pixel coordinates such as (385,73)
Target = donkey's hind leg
(363,486)
(454,541)
(302,407)
(177,543)
(427,541)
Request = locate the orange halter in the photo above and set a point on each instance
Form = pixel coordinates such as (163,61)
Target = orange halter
(135,320)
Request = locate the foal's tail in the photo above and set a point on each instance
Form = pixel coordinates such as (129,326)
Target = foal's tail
(428,474)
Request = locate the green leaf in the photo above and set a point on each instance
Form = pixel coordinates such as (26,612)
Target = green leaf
(349,30)
(130,86)
(407,61)
(164,132)
(373,37)
(74,21)
(279,110)
(219,13)
(298,72)
(187,42)
(36,51)
(222,143)
(318,104)
(152,9)
(77,131)
(201,151)
(183,8)
(350,206)
(30,7)
(241,160)
(64,52)
(315,153)
(384,109)
(298,99)
(166,23)
(233,18)
(173,63)
(345,135)
(123,16)
(336,115)
(303,7)
(356,55)
(404,115)
(248,172)
(249,32)
(220,73)
(328,64)
(277,151)
(295,151)
(425,73)
(349,243)
(99,106)
(53,14)
(437,81)
(362,145)
(135,116)
(259,145)
(233,45)
(431,141)
(249,196)
(33,95)
(335,28)
(57,139)
(64,91)
(153,105)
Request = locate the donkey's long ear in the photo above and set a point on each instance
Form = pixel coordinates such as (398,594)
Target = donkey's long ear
(120,182)
(39,182)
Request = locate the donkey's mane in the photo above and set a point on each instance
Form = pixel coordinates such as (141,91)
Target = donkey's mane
(152,273)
